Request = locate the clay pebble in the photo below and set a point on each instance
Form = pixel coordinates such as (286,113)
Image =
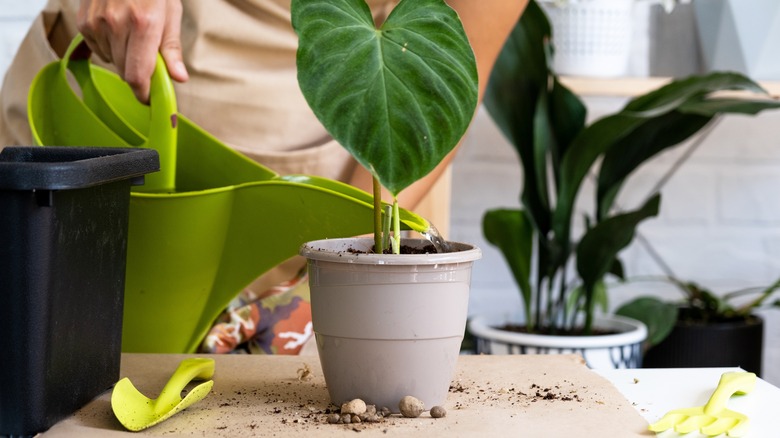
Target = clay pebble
(355,407)
(411,407)
(438,412)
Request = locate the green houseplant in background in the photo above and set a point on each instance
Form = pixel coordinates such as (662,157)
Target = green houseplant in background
(558,264)
(702,328)
(398,98)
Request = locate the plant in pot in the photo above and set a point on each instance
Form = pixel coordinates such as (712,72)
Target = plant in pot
(704,329)
(398,98)
(558,264)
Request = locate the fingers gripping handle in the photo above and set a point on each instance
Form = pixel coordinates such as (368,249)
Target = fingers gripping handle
(163,112)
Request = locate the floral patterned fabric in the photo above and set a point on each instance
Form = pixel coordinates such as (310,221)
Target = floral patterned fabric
(276,321)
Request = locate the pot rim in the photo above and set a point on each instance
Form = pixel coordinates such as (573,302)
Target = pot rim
(631,332)
(749,320)
(338,250)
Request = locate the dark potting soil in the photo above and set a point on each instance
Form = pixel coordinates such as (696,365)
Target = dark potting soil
(405,249)
(577,331)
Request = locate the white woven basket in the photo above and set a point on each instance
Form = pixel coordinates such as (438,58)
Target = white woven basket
(591,37)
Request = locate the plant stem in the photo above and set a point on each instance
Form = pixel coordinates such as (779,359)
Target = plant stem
(386,225)
(396,228)
(377,216)
(550,303)
(586,329)
(562,312)
(749,307)
(541,270)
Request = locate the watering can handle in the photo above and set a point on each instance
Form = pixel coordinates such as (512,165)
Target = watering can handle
(195,368)
(162,135)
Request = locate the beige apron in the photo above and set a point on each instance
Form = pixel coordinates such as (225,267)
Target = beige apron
(243,89)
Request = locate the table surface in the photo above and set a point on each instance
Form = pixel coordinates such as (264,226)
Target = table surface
(518,395)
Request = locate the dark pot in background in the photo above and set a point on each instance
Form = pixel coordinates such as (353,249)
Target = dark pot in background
(63,248)
(736,343)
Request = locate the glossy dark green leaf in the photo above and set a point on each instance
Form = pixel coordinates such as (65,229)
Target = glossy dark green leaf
(567,115)
(625,131)
(617,269)
(543,143)
(577,303)
(512,232)
(628,153)
(519,76)
(598,248)
(674,94)
(578,160)
(600,297)
(398,98)
(659,316)
(664,130)
(559,117)
(713,106)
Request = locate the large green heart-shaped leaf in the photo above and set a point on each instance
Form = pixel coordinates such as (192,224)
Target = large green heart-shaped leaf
(398,98)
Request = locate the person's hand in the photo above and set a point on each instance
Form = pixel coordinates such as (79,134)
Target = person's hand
(130,33)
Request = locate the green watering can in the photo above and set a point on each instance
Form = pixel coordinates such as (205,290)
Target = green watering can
(209,223)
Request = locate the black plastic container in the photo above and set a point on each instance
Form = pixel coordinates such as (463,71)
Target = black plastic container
(736,343)
(63,240)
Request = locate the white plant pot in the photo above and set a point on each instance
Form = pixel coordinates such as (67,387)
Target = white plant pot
(591,37)
(388,326)
(620,350)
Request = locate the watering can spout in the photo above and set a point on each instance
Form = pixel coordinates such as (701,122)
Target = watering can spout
(409,220)
(415,222)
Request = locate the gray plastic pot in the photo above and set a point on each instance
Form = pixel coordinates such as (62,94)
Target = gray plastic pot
(388,326)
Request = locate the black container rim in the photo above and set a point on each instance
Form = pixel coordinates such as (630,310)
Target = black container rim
(63,168)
